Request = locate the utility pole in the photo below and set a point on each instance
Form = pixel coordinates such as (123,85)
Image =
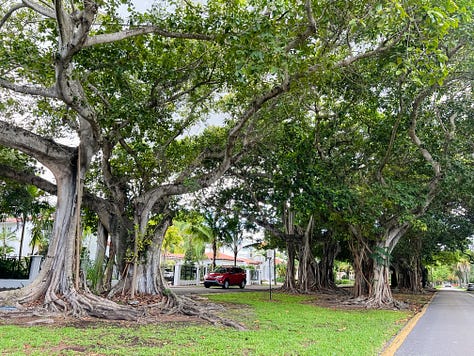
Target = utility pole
(270,256)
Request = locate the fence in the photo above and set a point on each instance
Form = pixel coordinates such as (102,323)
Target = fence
(187,275)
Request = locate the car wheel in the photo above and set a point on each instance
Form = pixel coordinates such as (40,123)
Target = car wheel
(207,285)
(225,285)
(242,284)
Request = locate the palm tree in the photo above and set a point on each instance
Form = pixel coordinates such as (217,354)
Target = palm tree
(211,231)
(6,236)
(42,229)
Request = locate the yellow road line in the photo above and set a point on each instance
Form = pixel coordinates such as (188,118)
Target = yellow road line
(402,335)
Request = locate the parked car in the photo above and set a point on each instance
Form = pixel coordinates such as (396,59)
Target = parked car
(226,276)
(168,274)
(470,287)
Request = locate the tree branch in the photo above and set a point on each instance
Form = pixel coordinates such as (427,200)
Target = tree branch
(31,90)
(26,177)
(117,36)
(382,47)
(310,28)
(28,4)
(46,151)
(43,10)
(424,152)
(97,204)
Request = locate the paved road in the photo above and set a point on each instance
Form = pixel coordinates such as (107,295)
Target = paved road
(446,328)
(180,290)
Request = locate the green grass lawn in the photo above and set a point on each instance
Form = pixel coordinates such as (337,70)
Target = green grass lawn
(286,325)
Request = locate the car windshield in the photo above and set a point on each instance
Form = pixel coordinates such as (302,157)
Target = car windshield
(221,270)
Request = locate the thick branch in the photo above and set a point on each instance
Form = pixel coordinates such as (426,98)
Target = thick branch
(382,47)
(26,177)
(118,36)
(101,206)
(9,13)
(63,24)
(310,28)
(27,4)
(424,152)
(45,11)
(46,151)
(31,90)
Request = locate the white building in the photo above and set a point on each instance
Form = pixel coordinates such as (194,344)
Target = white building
(11,231)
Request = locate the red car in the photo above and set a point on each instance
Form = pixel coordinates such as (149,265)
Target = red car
(225,277)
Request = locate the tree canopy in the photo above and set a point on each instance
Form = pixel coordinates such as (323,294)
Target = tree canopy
(337,123)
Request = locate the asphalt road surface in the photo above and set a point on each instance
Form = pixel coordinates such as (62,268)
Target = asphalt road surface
(445,329)
(185,290)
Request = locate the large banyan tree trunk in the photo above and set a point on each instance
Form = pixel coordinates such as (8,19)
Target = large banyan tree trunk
(59,286)
(414,273)
(291,241)
(56,278)
(308,272)
(362,264)
(113,232)
(290,281)
(149,277)
(381,294)
(56,287)
(326,265)
(408,274)
(143,275)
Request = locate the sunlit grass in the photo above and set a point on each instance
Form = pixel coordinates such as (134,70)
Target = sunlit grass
(286,325)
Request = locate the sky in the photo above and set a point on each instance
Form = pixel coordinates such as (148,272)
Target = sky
(142,5)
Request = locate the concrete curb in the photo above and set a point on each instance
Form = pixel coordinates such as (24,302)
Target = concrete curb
(398,340)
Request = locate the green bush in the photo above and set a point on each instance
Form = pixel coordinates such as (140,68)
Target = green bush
(12,268)
(344,282)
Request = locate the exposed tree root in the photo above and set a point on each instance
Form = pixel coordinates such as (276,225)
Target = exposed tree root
(289,290)
(71,304)
(375,303)
(336,290)
(372,303)
(37,301)
(174,304)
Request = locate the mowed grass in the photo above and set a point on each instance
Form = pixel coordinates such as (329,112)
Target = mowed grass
(286,325)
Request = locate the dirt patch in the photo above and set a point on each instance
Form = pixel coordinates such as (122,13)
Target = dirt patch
(344,301)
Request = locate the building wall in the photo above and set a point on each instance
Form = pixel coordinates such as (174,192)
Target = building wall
(11,225)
